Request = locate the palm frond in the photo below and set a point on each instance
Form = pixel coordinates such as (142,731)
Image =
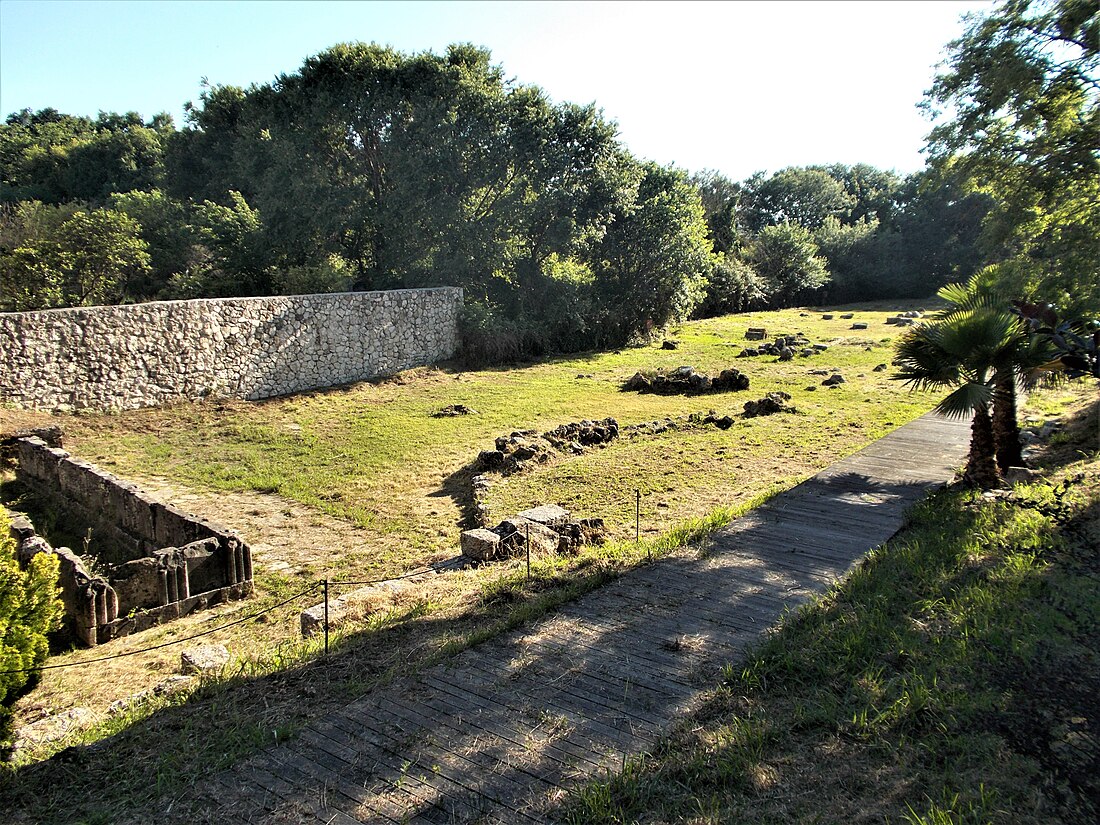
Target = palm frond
(966,399)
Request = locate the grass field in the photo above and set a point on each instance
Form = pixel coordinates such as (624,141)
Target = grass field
(371,462)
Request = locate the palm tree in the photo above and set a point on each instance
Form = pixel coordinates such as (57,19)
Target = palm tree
(963,349)
(1018,359)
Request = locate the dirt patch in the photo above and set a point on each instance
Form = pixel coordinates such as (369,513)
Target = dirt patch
(286,537)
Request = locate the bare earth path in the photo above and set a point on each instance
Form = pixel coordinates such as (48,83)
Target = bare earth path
(499,732)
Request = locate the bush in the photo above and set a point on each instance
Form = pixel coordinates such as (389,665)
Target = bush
(29,609)
(733,286)
(490,337)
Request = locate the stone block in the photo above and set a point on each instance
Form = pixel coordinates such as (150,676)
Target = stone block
(204,659)
(516,531)
(549,515)
(756,334)
(480,544)
(133,510)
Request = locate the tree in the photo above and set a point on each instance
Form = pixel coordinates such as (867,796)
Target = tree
(60,158)
(91,258)
(654,259)
(849,250)
(29,609)
(721,199)
(733,286)
(1019,359)
(785,257)
(962,351)
(1023,85)
(803,196)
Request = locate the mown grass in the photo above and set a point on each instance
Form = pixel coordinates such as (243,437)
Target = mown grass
(952,678)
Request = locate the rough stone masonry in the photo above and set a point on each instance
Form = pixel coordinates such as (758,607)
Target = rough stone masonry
(140,355)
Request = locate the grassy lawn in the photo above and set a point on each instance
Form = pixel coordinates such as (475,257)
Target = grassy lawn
(370,459)
(953,678)
(373,455)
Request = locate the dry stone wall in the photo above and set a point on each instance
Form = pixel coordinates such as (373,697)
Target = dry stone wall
(140,355)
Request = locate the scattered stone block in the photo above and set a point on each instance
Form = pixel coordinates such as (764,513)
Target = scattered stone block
(880,368)
(548,515)
(847,316)
(480,544)
(773,402)
(756,334)
(833,380)
(1020,475)
(204,659)
(859,325)
(828,316)
(670,344)
(516,531)
(452,410)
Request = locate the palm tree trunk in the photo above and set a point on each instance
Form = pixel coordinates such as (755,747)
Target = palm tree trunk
(981,466)
(1006,429)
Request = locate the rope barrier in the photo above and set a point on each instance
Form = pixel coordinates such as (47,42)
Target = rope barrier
(241,620)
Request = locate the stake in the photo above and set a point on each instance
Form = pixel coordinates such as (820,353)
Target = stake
(326,616)
(528,553)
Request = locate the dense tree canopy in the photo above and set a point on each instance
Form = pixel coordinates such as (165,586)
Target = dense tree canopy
(1024,85)
(369,168)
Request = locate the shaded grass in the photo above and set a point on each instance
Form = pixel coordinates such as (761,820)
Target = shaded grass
(950,679)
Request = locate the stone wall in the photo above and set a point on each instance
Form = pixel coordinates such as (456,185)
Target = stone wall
(160,562)
(140,355)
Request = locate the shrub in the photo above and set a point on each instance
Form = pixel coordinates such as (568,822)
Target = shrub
(29,609)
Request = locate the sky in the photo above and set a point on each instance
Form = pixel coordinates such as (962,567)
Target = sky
(735,87)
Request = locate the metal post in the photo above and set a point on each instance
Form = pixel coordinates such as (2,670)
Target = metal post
(528,553)
(325,584)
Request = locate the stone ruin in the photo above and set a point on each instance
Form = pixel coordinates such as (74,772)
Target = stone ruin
(514,452)
(549,529)
(905,319)
(155,563)
(784,347)
(686,381)
(773,402)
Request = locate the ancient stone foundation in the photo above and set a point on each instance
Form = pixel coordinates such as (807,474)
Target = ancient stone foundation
(160,563)
(140,355)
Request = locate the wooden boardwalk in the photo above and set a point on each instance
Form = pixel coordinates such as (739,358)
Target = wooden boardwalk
(498,733)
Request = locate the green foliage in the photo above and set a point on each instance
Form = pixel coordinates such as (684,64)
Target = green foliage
(1022,84)
(29,609)
(655,258)
(59,158)
(801,195)
(786,259)
(733,286)
(89,259)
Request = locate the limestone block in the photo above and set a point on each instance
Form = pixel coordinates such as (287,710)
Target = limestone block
(549,515)
(515,532)
(480,544)
(204,659)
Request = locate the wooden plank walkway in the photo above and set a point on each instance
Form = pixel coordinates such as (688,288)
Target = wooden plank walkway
(498,734)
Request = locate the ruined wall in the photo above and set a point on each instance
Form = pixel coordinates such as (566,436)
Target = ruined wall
(160,562)
(140,355)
